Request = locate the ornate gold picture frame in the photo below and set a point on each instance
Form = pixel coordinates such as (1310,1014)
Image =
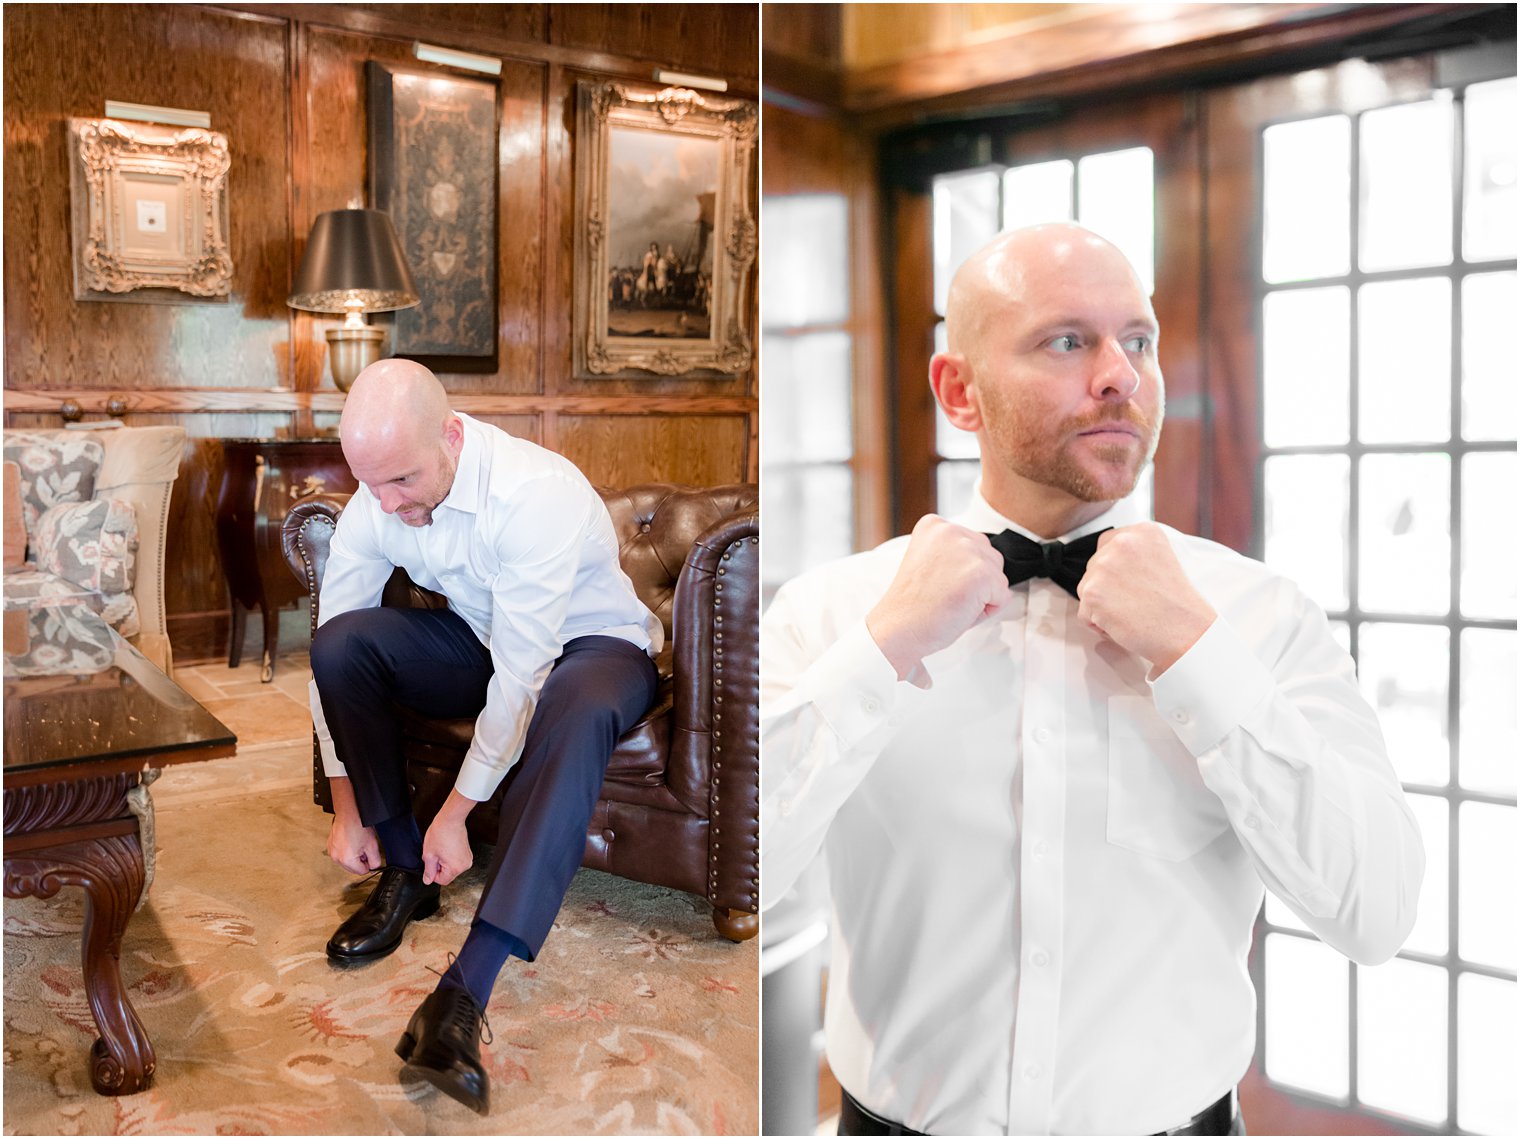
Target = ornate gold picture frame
(149,209)
(665,232)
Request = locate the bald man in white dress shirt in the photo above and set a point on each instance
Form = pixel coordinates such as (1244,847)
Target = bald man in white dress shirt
(1050,809)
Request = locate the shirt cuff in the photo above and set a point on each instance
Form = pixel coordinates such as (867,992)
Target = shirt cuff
(478,779)
(332,766)
(854,686)
(1211,689)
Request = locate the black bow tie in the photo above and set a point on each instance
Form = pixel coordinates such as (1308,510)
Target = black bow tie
(1063,562)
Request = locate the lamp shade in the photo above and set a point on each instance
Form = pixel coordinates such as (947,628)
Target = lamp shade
(353,261)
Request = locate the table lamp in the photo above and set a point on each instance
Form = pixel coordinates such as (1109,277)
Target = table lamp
(353,265)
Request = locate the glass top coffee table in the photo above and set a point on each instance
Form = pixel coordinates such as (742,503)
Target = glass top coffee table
(88,721)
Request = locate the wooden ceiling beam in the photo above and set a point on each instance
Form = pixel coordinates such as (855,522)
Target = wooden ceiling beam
(1097,48)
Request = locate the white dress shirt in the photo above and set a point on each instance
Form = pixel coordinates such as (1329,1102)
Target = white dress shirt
(1044,867)
(525,552)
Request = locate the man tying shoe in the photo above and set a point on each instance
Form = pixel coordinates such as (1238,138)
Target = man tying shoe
(543,639)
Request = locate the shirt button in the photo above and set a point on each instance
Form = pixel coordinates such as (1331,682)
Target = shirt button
(1037,851)
(1039,959)
(870,704)
(1180,716)
(1042,736)
(1047,629)
(1033,1072)
(1252,822)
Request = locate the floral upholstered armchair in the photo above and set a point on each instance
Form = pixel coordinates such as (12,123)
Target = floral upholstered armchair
(86,513)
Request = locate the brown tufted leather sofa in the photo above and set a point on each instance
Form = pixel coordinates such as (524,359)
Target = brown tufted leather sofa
(680,803)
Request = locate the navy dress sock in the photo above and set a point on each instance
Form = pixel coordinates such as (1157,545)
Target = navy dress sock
(401,841)
(480,960)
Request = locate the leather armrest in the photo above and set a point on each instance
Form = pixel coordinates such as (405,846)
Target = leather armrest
(714,755)
(306,536)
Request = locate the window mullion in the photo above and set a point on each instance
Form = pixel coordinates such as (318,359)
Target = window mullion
(1454,678)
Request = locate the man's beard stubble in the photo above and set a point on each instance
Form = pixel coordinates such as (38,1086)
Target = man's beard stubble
(438,492)
(1021,439)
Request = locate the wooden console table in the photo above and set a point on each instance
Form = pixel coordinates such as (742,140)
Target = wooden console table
(261,480)
(88,720)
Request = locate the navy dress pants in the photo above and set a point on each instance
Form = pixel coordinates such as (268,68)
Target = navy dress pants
(366,660)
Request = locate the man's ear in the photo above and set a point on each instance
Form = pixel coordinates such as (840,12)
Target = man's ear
(950,377)
(453,434)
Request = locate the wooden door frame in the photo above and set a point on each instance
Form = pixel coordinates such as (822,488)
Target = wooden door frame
(1235,118)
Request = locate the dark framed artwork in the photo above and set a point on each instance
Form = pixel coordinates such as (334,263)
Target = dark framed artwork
(665,232)
(433,168)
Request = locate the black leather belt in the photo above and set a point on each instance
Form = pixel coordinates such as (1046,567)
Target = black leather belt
(1216,1119)
(857,1120)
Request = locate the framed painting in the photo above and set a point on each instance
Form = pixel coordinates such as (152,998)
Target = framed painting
(665,232)
(433,168)
(149,211)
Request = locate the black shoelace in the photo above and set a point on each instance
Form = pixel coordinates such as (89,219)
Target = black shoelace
(460,1011)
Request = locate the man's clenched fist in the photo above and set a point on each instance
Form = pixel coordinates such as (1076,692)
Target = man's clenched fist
(950,578)
(1136,594)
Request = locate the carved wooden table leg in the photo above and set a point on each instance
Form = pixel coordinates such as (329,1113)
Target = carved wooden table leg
(271,615)
(82,832)
(110,871)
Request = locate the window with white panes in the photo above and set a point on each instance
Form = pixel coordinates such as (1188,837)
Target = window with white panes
(1387,485)
(1111,193)
(806,444)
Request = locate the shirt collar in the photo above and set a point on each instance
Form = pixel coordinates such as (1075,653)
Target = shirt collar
(979,515)
(465,493)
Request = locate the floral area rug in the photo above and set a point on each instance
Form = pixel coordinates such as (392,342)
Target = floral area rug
(637,1018)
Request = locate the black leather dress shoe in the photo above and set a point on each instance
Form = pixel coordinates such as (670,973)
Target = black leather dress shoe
(375,928)
(441,1045)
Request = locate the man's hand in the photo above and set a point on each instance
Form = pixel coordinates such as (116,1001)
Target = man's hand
(350,843)
(353,846)
(1136,594)
(950,578)
(446,850)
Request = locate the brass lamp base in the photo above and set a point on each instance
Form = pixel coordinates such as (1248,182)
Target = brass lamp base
(351,350)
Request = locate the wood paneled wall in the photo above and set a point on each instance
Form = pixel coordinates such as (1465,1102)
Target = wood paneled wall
(285,83)
(814,151)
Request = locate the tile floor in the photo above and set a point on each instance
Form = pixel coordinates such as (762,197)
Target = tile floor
(271,722)
(259,713)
